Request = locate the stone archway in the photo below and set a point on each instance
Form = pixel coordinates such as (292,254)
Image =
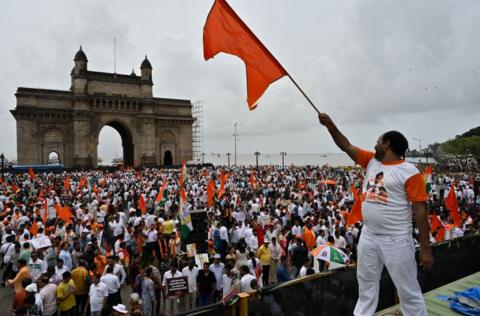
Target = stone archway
(53,142)
(127,141)
(167,158)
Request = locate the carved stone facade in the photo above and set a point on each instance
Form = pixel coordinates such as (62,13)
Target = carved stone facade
(154,131)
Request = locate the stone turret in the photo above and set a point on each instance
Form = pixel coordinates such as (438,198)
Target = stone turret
(81,62)
(146,76)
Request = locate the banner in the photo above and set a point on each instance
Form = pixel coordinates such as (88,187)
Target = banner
(41,242)
(177,286)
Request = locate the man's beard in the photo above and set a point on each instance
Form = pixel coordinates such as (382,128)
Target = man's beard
(379,155)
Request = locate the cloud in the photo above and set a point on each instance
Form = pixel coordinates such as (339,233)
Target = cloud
(372,65)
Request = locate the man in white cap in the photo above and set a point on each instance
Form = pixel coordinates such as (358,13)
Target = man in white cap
(217,268)
(120,309)
(32,288)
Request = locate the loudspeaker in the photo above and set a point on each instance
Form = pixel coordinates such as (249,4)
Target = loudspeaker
(199,235)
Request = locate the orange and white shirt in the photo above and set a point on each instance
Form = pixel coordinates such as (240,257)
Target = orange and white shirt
(387,193)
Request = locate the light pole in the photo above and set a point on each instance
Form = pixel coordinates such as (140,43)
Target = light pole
(256,157)
(228,159)
(203,158)
(283,159)
(235,138)
(2,158)
(419,147)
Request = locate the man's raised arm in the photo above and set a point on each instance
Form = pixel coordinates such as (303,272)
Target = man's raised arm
(340,140)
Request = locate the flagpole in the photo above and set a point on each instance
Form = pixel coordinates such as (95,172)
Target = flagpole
(304,94)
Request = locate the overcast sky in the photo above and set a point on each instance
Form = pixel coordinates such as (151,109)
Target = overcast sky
(373,66)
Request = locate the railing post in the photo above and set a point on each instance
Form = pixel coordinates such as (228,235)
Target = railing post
(243,303)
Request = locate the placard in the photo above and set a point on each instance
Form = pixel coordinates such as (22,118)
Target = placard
(200,259)
(41,242)
(177,286)
(191,250)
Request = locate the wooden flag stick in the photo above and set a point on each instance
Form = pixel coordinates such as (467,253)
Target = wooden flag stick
(304,94)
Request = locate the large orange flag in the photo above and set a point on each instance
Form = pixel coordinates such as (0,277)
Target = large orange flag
(252,180)
(141,204)
(225,32)
(211,192)
(34,228)
(452,204)
(356,212)
(223,180)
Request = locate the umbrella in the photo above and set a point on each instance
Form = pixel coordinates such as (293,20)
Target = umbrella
(329,181)
(330,254)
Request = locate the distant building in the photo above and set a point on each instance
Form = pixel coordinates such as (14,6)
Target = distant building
(154,131)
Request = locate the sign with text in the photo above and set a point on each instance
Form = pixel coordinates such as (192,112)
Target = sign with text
(177,286)
(41,242)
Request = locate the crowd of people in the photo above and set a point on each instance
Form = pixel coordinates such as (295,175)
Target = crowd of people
(107,243)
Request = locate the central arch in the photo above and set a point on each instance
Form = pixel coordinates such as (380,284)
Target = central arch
(127,141)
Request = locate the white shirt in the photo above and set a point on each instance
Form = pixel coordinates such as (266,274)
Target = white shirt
(217,270)
(97,294)
(168,275)
(245,282)
(321,241)
(36,268)
(111,281)
(7,251)
(152,235)
(192,278)
(224,233)
(118,271)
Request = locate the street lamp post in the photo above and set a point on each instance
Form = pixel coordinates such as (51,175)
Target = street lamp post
(256,157)
(203,158)
(2,158)
(228,159)
(283,159)
(235,138)
(419,147)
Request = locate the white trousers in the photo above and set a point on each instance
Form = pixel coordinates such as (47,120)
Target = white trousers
(397,253)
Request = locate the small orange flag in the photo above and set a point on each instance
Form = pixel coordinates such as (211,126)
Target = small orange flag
(142,205)
(66,183)
(356,211)
(211,192)
(34,228)
(452,204)
(252,180)
(64,213)
(437,226)
(45,212)
(225,32)
(31,173)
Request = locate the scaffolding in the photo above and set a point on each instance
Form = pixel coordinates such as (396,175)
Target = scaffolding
(197,132)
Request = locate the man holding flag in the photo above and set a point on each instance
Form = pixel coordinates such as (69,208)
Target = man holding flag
(390,189)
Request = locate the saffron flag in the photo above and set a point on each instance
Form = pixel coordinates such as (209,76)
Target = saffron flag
(452,204)
(252,180)
(64,213)
(45,212)
(162,195)
(141,204)
(225,32)
(437,226)
(66,183)
(223,180)
(211,192)
(31,173)
(34,228)
(355,214)
(186,225)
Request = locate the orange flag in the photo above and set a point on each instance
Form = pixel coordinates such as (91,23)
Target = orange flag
(452,204)
(31,174)
(66,183)
(64,213)
(252,180)
(45,212)
(356,211)
(141,204)
(34,228)
(223,180)
(438,226)
(211,192)
(82,183)
(225,32)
